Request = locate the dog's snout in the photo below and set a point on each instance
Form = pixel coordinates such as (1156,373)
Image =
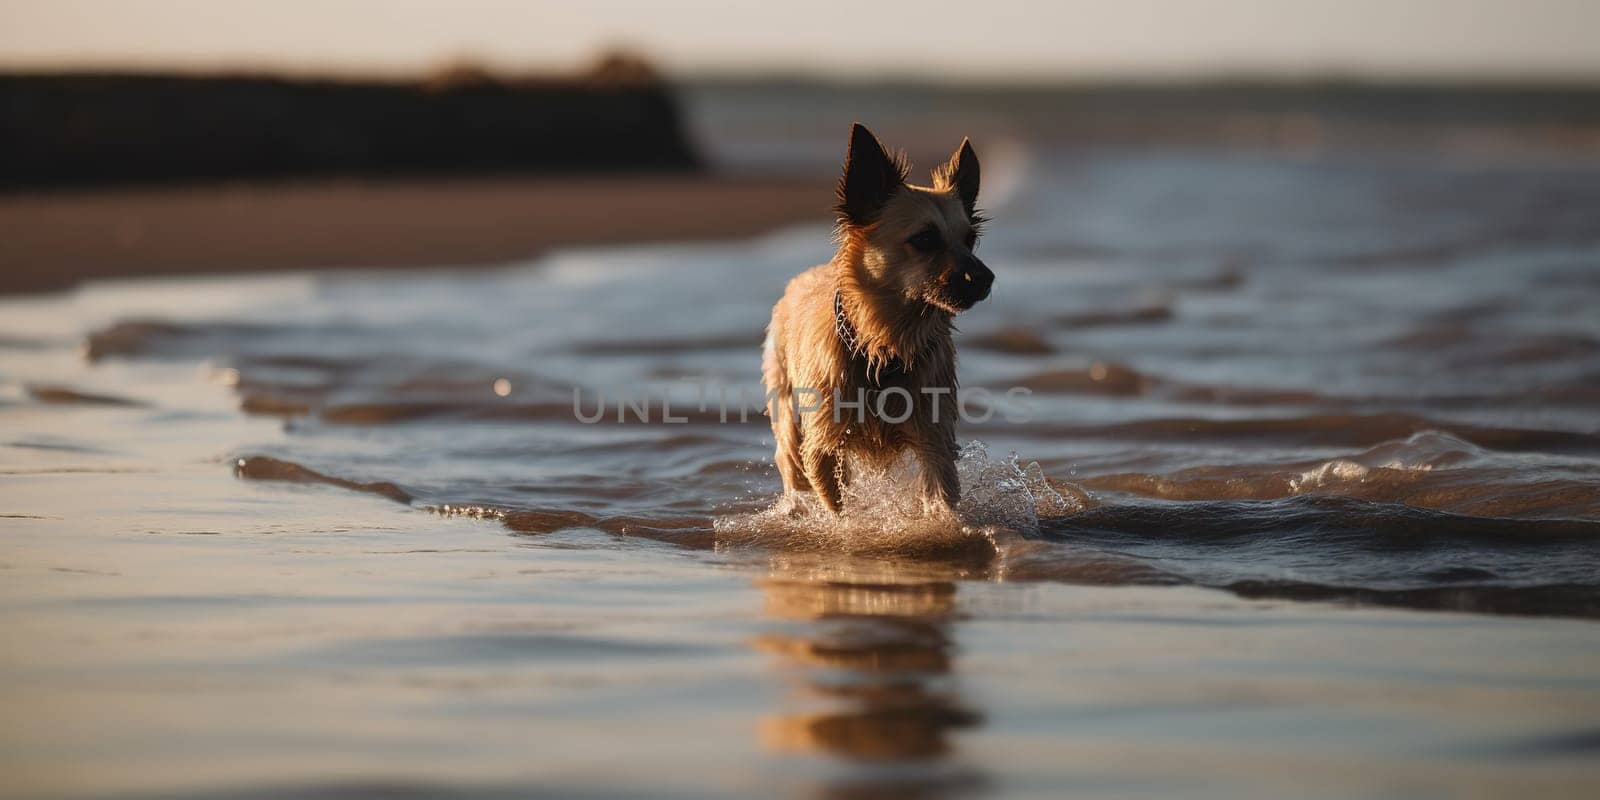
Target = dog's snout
(975,280)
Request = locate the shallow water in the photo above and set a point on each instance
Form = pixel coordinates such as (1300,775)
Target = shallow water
(1307,500)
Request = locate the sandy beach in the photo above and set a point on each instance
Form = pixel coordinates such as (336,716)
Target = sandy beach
(56,239)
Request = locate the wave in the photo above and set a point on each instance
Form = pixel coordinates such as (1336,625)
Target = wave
(66,395)
(750,341)
(1431,469)
(1015,523)
(1011,341)
(1348,550)
(155,338)
(1566,600)
(1136,315)
(1325,430)
(267,468)
(1112,379)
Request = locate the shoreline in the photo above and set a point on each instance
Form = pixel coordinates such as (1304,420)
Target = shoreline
(58,238)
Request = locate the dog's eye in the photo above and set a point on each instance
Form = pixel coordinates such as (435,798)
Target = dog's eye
(926,241)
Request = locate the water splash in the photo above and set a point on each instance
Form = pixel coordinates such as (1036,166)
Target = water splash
(884,513)
(1011,494)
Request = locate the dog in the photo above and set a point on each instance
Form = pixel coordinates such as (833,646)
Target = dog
(859,365)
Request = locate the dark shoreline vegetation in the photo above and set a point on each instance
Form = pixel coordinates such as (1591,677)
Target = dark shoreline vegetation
(97,129)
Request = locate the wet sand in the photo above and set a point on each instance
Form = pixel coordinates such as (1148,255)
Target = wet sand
(57,239)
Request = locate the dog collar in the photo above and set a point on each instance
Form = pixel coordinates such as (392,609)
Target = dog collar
(852,343)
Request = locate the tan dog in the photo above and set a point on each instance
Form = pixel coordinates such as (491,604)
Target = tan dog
(859,364)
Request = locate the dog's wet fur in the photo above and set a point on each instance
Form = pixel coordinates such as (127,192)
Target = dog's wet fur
(876,317)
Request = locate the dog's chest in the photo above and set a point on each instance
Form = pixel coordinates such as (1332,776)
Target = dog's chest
(877,408)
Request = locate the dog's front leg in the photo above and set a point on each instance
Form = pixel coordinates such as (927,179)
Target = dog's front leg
(822,470)
(941,484)
(787,455)
(933,440)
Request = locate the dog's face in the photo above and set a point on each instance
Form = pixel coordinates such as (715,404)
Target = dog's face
(917,241)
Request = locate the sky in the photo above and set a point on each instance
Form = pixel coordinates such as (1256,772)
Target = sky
(937,39)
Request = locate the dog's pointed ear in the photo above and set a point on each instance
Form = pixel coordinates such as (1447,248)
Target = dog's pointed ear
(871,177)
(960,173)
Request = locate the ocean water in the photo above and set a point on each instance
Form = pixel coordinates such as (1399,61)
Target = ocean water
(1304,499)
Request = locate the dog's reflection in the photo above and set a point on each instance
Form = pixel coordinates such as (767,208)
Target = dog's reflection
(870,653)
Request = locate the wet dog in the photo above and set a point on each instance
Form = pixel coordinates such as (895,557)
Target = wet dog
(859,364)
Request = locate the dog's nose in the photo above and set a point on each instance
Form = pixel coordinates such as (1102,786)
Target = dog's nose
(976,278)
